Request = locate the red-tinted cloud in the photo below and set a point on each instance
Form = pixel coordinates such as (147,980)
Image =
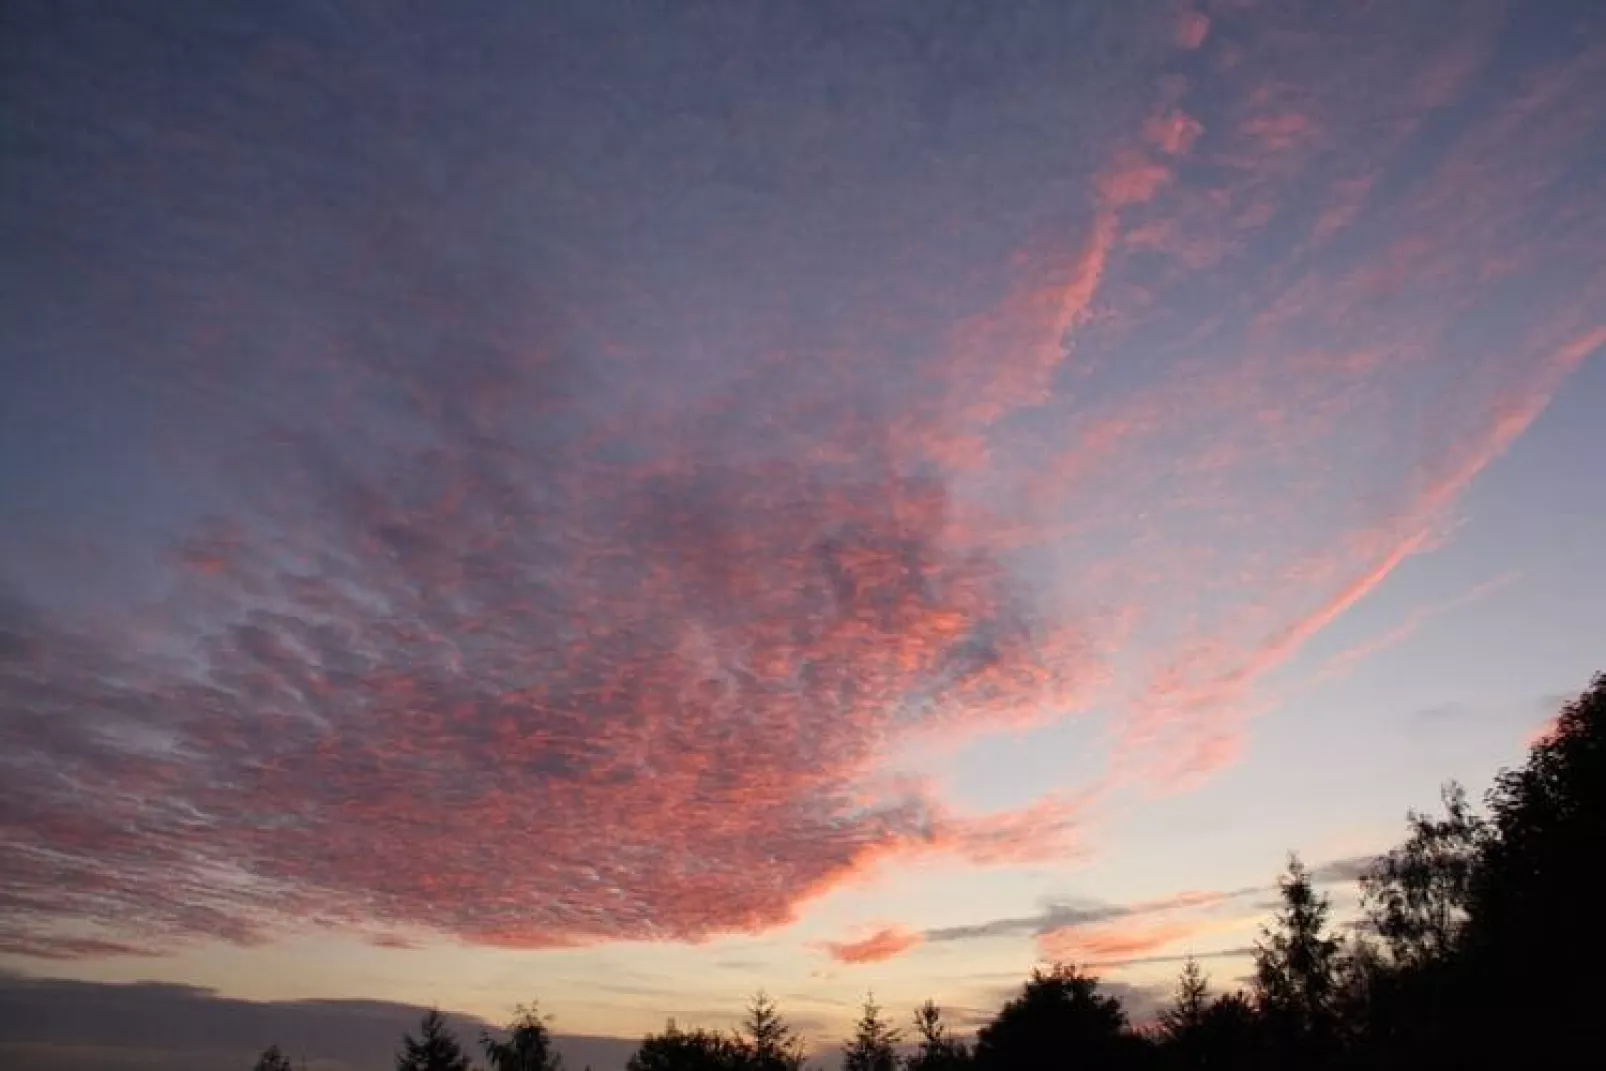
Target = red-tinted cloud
(441,700)
(882,945)
(1192,29)
(1046,830)
(543,608)
(1173,132)
(1115,941)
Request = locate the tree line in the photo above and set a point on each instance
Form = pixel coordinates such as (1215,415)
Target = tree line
(1479,945)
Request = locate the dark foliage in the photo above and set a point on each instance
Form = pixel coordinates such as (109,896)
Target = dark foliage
(875,1042)
(1186,1028)
(1228,1035)
(528,1046)
(1297,972)
(696,1050)
(1059,1019)
(1533,893)
(768,1042)
(1417,894)
(765,1042)
(435,1049)
(1185,1016)
(937,1050)
(1199,1031)
(273,1059)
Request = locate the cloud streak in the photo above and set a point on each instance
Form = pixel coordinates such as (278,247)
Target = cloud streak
(1063,918)
(1118,934)
(1083,945)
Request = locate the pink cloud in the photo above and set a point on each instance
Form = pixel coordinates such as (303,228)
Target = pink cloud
(1080,944)
(365,728)
(1133,179)
(1139,929)
(1191,29)
(882,945)
(1046,830)
(1035,323)
(1173,132)
(536,651)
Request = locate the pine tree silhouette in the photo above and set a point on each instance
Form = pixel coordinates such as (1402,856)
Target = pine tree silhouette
(937,1051)
(435,1049)
(874,1043)
(1187,1011)
(771,1044)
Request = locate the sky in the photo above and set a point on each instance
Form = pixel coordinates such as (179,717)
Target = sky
(627,504)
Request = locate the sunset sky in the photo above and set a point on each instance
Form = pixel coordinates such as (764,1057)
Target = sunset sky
(626,504)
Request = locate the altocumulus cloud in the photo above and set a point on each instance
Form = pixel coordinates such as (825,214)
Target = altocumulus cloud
(544,569)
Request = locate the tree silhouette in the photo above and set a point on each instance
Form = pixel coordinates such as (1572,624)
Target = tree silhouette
(528,1046)
(769,1041)
(696,1050)
(1296,970)
(1228,1035)
(435,1049)
(874,1044)
(273,1059)
(1548,817)
(937,1050)
(1398,990)
(1187,1010)
(1197,1032)
(1535,895)
(1416,895)
(1060,1018)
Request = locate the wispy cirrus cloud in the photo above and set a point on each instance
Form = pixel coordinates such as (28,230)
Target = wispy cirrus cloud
(1118,941)
(1414,622)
